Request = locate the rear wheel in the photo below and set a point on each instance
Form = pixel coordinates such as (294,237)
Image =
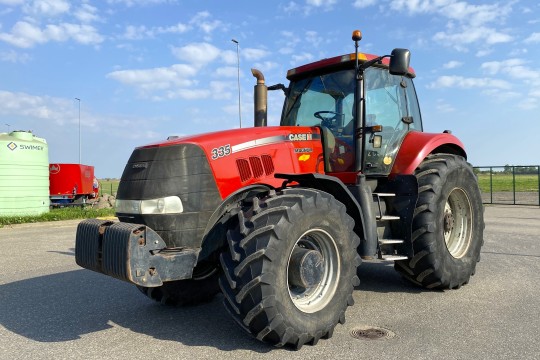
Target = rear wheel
(290,270)
(448,224)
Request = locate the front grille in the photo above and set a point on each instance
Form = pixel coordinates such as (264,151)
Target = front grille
(178,170)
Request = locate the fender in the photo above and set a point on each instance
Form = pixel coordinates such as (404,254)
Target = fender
(417,145)
(214,234)
(358,209)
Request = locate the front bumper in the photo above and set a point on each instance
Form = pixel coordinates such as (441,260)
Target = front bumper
(131,252)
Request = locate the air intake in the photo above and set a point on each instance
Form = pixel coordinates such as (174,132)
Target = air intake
(255,168)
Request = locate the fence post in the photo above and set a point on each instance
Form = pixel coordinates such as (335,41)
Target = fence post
(538,167)
(514,183)
(491,184)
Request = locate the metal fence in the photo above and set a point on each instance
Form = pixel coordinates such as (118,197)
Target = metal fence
(509,185)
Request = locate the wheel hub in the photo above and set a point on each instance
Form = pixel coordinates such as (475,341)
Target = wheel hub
(448,220)
(306,267)
(457,223)
(313,270)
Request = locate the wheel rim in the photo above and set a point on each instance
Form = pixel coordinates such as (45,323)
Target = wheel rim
(320,262)
(457,223)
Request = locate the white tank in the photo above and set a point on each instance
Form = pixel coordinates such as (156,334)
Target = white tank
(24,174)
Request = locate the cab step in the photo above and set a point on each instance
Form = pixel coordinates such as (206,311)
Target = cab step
(392,257)
(390,241)
(387,218)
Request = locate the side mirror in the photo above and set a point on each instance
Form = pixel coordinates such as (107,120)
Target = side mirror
(399,62)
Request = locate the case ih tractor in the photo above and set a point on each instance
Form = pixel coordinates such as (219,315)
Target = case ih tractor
(278,218)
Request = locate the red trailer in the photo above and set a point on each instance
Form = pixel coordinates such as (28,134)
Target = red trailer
(72,183)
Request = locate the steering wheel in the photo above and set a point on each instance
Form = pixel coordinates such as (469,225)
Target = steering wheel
(327,121)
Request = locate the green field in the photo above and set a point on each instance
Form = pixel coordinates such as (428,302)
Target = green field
(109,186)
(67,213)
(503,182)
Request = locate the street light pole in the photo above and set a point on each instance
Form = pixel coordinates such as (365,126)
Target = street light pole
(79,100)
(238,63)
(7,127)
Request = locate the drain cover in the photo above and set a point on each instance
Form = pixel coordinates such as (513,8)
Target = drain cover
(371,333)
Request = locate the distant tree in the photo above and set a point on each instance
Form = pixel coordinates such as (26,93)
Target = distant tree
(507,169)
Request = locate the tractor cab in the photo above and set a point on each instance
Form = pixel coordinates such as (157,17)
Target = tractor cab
(323,94)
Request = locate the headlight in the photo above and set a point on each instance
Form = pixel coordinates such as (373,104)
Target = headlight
(166,205)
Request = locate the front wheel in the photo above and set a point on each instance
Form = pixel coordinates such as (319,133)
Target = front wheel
(448,224)
(290,270)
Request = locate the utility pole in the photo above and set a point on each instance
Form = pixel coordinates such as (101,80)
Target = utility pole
(238,63)
(79,100)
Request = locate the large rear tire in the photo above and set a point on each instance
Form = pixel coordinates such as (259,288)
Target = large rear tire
(290,269)
(448,224)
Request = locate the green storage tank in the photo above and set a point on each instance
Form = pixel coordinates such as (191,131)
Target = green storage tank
(24,174)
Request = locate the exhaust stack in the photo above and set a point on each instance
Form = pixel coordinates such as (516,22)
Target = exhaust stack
(260,94)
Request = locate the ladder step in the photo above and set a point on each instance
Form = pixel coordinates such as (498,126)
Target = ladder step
(392,257)
(384,194)
(390,241)
(387,218)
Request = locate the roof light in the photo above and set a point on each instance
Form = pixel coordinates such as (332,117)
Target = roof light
(357,35)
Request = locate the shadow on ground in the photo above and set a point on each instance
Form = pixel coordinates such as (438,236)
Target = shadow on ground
(381,277)
(65,306)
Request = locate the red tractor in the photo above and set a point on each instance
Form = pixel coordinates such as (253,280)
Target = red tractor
(278,218)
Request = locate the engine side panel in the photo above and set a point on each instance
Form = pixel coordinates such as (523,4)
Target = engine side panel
(242,157)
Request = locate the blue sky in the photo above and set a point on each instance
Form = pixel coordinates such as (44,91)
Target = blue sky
(147,69)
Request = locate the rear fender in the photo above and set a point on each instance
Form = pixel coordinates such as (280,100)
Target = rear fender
(416,146)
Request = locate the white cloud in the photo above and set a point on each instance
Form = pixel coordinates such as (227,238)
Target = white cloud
(253,54)
(26,35)
(222,89)
(14,57)
(140,32)
(203,21)
(86,13)
(361,4)
(161,78)
(198,54)
(266,65)
(471,35)
(443,106)
(301,59)
(468,83)
(533,38)
(40,107)
(515,69)
(46,7)
(227,71)
(321,3)
(452,64)
(494,67)
(188,94)
(130,3)
(467,23)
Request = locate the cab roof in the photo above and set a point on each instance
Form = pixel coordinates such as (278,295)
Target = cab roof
(336,63)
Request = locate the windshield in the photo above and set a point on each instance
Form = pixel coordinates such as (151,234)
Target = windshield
(325,97)
(327,101)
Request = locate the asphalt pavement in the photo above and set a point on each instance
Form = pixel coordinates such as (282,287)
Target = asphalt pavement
(52,309)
